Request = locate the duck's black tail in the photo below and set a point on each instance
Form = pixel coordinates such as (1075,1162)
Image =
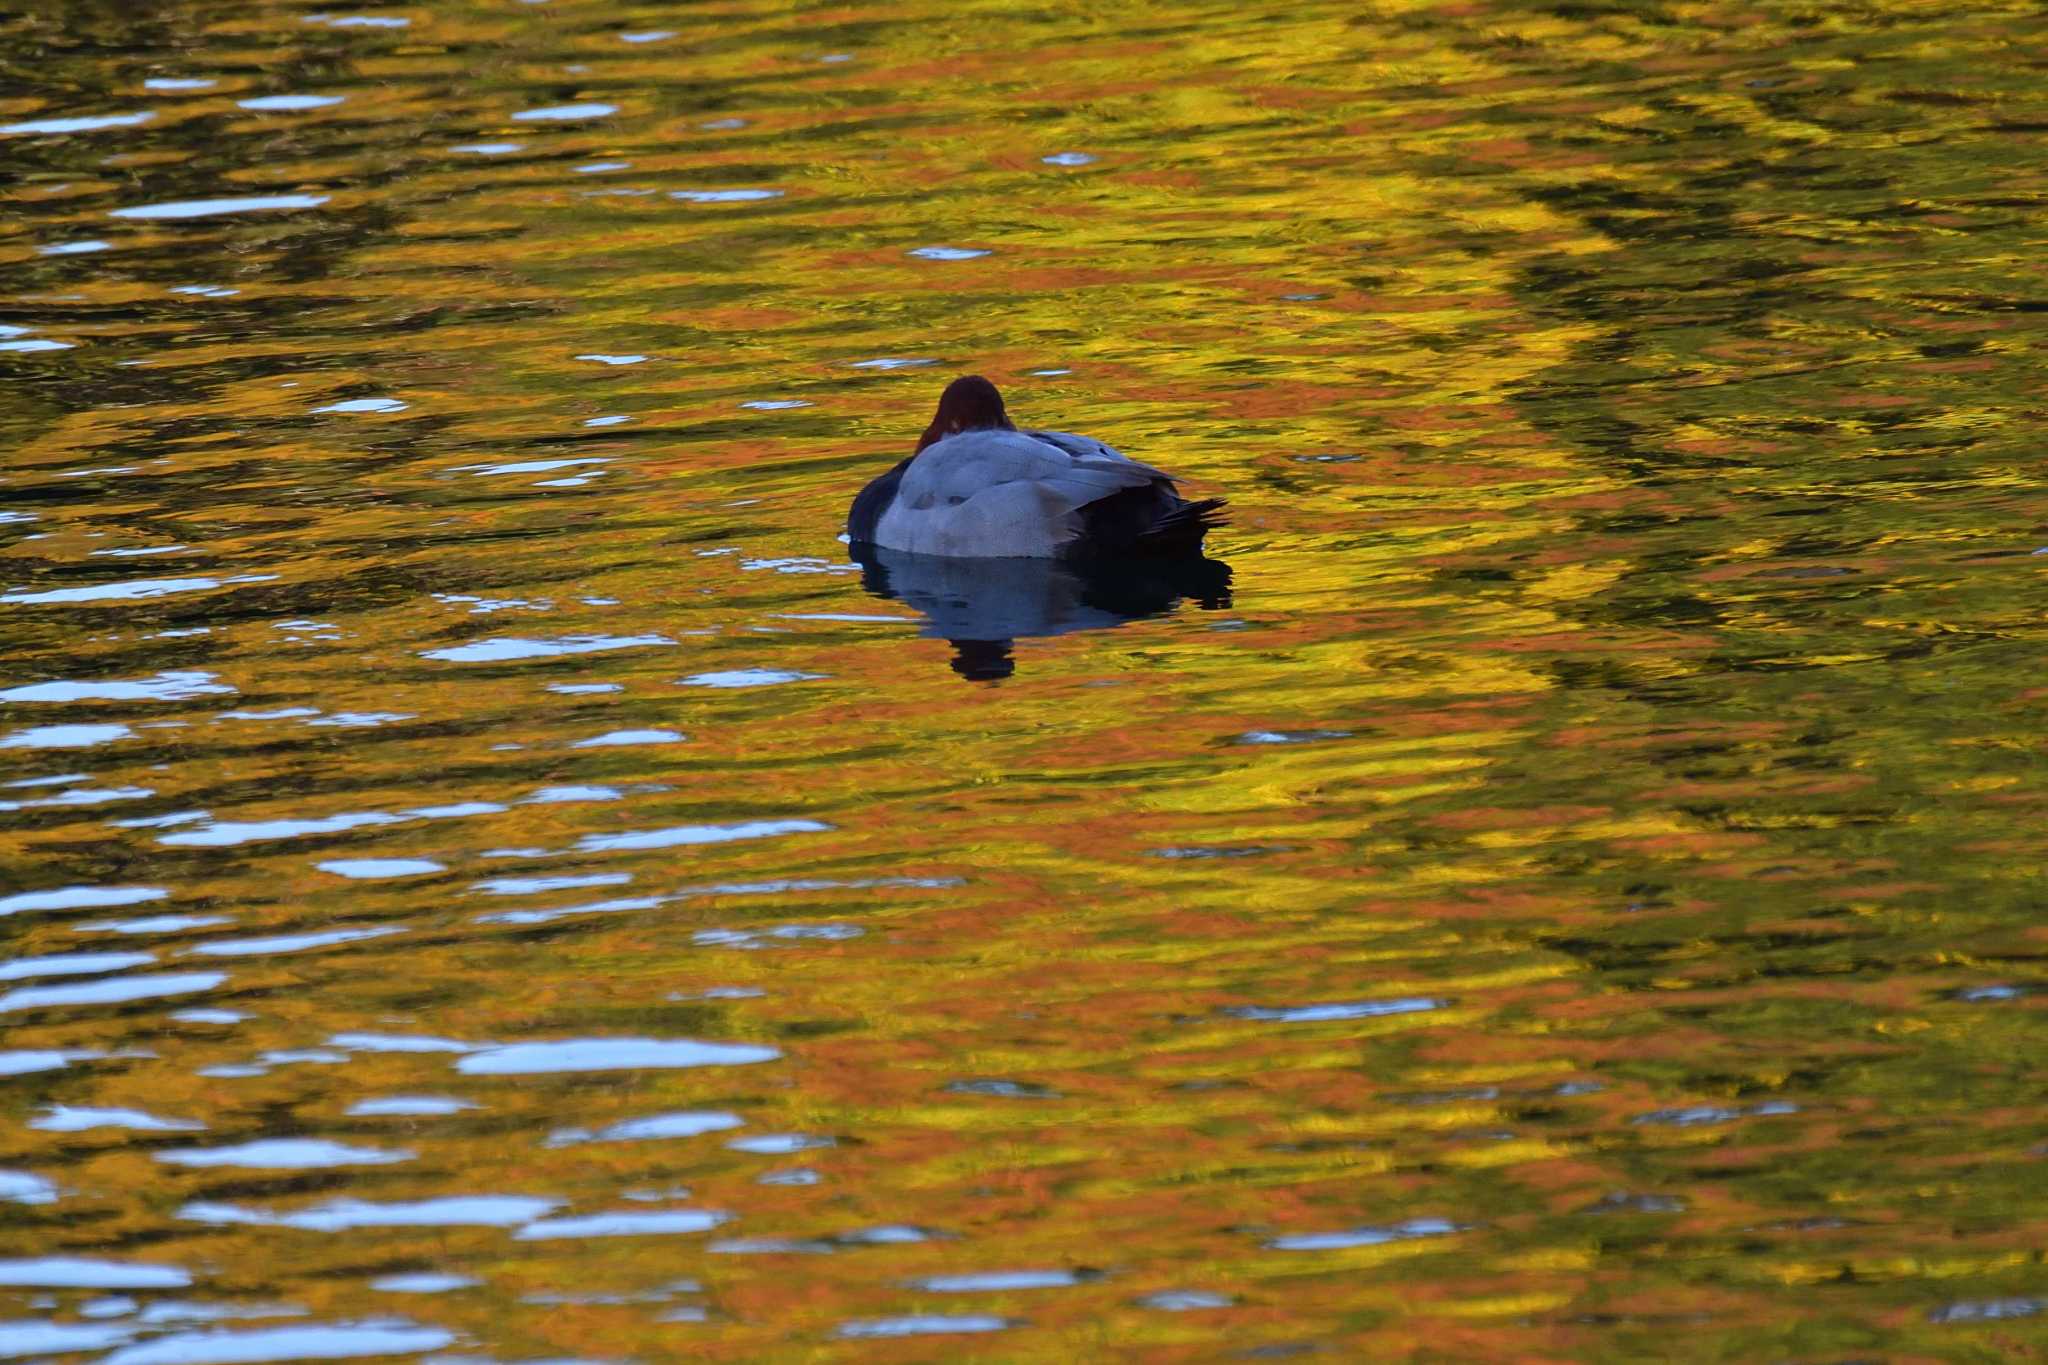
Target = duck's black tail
(1179,530)
(1148,521)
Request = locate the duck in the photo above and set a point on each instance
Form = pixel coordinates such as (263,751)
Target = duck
(978,487)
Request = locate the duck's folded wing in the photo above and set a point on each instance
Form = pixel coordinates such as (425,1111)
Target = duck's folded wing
(972,462)
(1087,448)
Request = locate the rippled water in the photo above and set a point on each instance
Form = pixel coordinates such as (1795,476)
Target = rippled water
(487,878)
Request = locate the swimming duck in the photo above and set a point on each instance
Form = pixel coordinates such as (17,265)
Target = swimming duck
(977,487)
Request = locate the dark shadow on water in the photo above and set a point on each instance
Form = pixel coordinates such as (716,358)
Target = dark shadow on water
(983,606)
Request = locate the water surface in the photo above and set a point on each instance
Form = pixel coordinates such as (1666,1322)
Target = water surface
(485,875)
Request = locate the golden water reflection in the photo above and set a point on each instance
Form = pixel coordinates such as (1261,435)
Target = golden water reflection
(487,876)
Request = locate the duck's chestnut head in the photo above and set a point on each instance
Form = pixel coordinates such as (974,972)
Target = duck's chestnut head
(970,403)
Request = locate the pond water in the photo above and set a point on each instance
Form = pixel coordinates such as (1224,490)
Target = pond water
(485,876)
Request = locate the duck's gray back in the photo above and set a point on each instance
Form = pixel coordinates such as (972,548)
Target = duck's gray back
(1003,494)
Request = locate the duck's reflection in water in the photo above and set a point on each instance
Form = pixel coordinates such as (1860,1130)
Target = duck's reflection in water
(983,606)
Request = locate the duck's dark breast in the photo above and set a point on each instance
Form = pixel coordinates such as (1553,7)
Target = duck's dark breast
(872,501)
